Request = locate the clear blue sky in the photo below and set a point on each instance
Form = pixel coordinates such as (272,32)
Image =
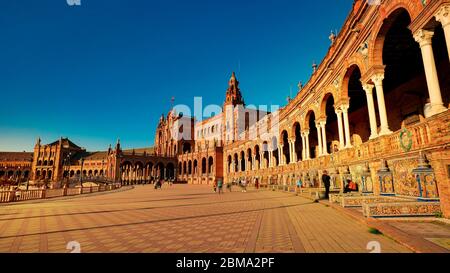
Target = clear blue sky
(108,68)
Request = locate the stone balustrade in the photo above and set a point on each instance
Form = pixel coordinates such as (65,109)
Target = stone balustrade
(24,195)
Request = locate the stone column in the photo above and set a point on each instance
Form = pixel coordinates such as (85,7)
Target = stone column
(270,159)
(294,153)
(261,160)
(371,108)
(378,81)
(308,151)
(254,162)
(319,138)
(423,37)
(303,147)
(291,151)
(443,16)
(324,138)
(340,128)
(281,154)
(348,143)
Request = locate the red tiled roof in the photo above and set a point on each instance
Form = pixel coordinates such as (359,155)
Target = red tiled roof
(16,156)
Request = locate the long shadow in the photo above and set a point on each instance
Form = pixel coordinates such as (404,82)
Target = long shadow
(156,221)
(139,209)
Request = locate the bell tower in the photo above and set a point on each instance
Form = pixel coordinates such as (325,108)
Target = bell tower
(233,94)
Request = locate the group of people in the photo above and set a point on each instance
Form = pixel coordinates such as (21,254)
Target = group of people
(242,183)
(350,186)
(159,182)
(326,180)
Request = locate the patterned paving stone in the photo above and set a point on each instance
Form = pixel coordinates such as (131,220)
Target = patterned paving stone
(184,219)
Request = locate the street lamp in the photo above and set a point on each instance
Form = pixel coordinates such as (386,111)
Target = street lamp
(102,176)
(67,163)
(81,176)
(18,177)
(120,157)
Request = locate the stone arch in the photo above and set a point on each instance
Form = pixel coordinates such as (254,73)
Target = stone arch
(256,152)
(242,160)
(236,162)
(204,165)
(346,80)
(210,165)
(170,171)
(284,138)
(195,167)
(323,103)
(249,158)
(383,24)
(358,60)
(266,153)
(298,144)
(311,111)
(229,161)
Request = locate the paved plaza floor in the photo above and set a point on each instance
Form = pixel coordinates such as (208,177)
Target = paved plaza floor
(184,218)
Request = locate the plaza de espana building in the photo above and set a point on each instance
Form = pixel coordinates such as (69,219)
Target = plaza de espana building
(374,111)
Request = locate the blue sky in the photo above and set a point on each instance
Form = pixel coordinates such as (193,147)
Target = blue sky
(108,68)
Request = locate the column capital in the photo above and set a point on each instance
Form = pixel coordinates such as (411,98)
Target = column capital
(306,132)
(377,79)
(368,88)
(344,108)
(338,110)
(423,37)
(443,15)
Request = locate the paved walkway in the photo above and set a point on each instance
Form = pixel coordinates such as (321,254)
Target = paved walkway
(184,219)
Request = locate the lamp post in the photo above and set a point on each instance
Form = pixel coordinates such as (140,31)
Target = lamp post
(81,172)
(28,180)
(64,171)
(120,169)
(5,178)
(68,168)
(102,169)
(18,177)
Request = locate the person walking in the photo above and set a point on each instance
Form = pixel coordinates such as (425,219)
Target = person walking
(326,182)
(220,186)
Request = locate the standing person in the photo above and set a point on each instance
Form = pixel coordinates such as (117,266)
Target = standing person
(215,186)
(326,182)
(244,185)
(220,185)
(256,183)
(299,185)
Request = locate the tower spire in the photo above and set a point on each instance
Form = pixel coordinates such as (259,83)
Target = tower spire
(233,94)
